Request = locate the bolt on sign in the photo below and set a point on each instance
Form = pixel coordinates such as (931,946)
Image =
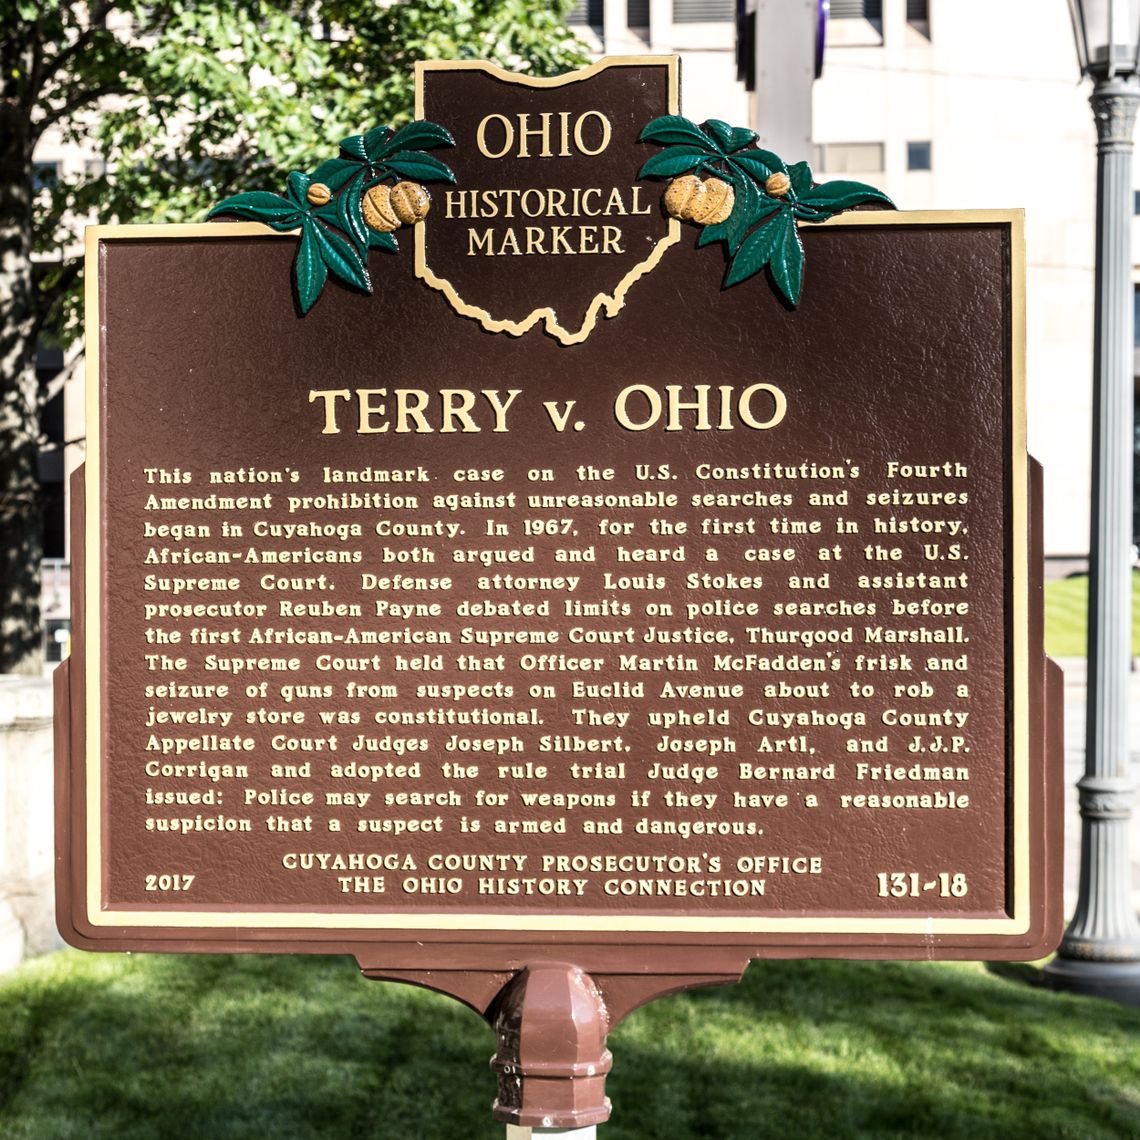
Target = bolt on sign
(557,551)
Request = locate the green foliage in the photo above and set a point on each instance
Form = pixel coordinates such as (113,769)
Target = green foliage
(1066,616)
(190,103)
(335,238)
(761,230)
(142,1047)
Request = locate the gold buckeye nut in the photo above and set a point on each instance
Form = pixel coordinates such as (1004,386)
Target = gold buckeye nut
(377,209)
(777,184)
(319,194)
(682,195)
(715,204)
(410,202)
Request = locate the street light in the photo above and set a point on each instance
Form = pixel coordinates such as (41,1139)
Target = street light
(1100,951)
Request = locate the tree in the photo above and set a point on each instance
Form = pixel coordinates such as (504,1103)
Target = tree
(186,104)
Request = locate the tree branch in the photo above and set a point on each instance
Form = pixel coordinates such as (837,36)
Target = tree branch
(96,19)
(76,103)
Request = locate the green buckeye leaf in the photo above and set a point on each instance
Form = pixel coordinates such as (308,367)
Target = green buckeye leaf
(765,209)
(711,234)
(377,239)
(374,143)
(335,214)
(422,167)
(773,161)
(335,172)
(721,134)
(258,206)
(673,161)
(309,269)
(801,176)
(297,188)
(836,196)
(750,162)
(787,263)
(672,130)
(748,209)
(418,135)
(755,252)
(353,146)
(810,213)
(342,260)
(350,215)
(740,138)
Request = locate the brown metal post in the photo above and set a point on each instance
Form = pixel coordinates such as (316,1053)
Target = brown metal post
(551,1024)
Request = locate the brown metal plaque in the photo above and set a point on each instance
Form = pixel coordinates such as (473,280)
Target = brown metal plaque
(703,629)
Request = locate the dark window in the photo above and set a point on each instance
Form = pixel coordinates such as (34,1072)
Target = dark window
(45,175)
(49,363)
(587,12)
(918,156)
(856,9)
(703,11)
(637,13)
(917,10)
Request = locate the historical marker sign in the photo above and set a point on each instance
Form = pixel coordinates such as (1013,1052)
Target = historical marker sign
(557,598)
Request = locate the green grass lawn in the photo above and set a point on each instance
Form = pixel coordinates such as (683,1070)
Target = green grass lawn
(1066,602)
(136,1047)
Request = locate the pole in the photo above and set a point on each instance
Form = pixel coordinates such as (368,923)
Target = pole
(1100,951)
(514,1132)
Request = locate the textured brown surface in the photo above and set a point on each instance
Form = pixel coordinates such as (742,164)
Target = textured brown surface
(860,385)
(901,354)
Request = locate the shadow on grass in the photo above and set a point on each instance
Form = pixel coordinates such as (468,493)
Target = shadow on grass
(850,1049)
(232,1047)
(1019,973)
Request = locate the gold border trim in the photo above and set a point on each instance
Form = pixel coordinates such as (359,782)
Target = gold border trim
(923,925)
(609,303)
(1016,924)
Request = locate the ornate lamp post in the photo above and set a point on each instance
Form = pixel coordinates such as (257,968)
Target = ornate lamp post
(1100,952)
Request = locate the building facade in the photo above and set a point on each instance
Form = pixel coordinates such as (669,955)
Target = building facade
(944,105)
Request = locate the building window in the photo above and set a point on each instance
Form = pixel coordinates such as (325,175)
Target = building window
(918,156)
(855,23)
(45,175)
(857,9)
(590,12)
(49,365)
(849,158)
(703,11)
(918,16)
